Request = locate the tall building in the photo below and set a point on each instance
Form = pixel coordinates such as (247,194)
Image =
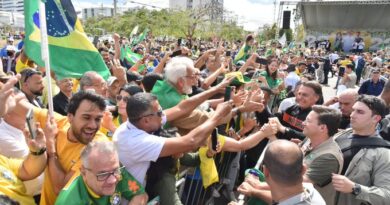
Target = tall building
(11,6)
(97,12)
(102,11)
(215,7)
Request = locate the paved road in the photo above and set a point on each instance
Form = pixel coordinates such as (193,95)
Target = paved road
(328,91)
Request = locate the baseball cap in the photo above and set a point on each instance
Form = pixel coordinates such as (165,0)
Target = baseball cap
(111,80)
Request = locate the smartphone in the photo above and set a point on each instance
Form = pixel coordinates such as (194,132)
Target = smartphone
(228,92)
(262,61)
(176,53)
(214,139)
(31,124)
(341,71)
(179,41)
(228,53)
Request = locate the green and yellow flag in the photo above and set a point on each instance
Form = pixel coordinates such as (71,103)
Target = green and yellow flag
(140,38)
(71,53)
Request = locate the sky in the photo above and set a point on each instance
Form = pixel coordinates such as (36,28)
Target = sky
(251,14)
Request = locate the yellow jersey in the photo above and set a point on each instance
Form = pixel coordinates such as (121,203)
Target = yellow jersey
(10,184)
(68,153)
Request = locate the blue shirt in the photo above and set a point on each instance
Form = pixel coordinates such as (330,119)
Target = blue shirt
(370,88)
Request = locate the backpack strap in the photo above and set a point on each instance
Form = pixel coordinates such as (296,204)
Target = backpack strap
(368,142)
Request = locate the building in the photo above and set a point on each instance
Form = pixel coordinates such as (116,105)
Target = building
(11,6)
(15,20)
(215,6)
(102,11)
(97,12)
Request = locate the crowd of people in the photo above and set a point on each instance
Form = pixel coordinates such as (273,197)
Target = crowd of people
(188,105)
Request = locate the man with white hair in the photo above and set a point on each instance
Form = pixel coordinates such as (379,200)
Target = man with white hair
(180,76)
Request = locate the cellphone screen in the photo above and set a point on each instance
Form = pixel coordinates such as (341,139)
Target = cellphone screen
(262,61)
(228,92)
(214,139)
(31,124)
(179,42)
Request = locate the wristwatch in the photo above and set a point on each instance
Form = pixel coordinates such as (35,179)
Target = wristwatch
(356,189)
(39,152)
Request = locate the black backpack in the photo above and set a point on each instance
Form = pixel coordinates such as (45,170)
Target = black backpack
(351,146)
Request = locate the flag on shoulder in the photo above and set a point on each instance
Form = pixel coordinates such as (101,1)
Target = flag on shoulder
(71,53)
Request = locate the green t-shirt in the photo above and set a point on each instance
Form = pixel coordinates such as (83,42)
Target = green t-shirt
(76,192)
(271,82)
(166,94)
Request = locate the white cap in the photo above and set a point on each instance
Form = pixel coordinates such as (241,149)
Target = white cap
(111,80)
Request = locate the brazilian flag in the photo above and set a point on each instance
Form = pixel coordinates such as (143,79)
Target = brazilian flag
(71,53)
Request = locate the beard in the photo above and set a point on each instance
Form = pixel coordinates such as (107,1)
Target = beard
(187,89)
(37,93)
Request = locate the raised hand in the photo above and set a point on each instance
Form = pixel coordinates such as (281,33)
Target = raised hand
(6,95)
(35,144)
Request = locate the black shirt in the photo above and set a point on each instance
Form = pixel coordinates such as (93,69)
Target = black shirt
(60,103)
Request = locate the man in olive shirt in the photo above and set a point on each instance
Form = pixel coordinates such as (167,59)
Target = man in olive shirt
(322,155)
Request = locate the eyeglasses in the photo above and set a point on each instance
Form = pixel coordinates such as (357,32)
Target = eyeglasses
(193,76)
(105,175)
(120,97)
(158,113)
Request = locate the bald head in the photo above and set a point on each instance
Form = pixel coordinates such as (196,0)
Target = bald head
(284,160)
(346,100)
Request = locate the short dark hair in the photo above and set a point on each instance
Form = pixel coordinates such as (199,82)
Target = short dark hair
(284,165)
(149,80)
(80,96)
(329,117)
(317,89)
(375,104)
(249,38)
(27,73)
(131,89)
(266,89)
(138,105)
(291,68)
(350,66)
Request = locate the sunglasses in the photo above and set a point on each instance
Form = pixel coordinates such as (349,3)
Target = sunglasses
(120,97)
(158,113)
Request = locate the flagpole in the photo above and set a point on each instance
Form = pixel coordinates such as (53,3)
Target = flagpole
(45,53)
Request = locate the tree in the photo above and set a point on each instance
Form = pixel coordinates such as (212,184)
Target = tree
(174,23)
(288,32)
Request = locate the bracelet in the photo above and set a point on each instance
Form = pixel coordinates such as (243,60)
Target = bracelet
(39,152)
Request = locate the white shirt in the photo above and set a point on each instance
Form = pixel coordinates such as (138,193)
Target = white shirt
(136,149)
(13,145)
(286,103)
(333,57)
(291,79)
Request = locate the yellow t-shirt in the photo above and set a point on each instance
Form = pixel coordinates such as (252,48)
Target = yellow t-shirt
(68,153)
(10,184)
(345,62)
(20,66)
